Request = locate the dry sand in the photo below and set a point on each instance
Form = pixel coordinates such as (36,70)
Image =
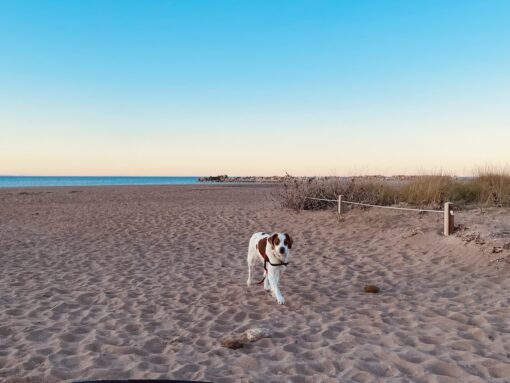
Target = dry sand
(144,282)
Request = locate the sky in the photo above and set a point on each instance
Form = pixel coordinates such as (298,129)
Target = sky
(188,87)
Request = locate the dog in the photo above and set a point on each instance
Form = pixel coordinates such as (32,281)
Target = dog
(273,250)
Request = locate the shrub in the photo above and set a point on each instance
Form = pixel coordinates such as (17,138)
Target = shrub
(295,192)
(489,187)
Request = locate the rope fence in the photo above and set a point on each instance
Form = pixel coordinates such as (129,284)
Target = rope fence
(447,211)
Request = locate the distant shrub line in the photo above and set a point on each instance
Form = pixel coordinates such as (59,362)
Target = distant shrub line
(487,188)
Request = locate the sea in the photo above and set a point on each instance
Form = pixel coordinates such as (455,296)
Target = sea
(35,181)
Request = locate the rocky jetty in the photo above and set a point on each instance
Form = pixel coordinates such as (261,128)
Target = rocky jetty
(225,178)
(279,179)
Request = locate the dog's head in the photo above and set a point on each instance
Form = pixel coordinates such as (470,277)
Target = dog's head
(280,243)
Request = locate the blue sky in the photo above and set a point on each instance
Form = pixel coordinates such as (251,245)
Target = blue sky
(253,87)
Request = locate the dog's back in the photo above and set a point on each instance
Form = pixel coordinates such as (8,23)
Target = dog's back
(253,244)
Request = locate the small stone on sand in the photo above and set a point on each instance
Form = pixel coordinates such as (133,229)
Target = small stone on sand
(233,343)
(371,289)
(250,335)
(254,334)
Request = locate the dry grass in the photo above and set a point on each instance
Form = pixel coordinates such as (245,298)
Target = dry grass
(296,190)
(490,187)
(431,191)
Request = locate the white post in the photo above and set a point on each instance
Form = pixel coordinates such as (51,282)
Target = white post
(448,218)
(340,199)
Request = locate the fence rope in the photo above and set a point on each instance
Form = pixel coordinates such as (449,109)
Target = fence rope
(384,207)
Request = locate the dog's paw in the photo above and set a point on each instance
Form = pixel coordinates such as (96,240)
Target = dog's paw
(281,301)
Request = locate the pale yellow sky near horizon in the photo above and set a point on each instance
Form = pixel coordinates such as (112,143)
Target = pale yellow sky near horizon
(58,152)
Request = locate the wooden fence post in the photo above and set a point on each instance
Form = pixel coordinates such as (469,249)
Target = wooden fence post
(448,218)
(340,208)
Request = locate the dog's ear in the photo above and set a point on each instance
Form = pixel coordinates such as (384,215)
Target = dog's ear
(289,240)
(272,238)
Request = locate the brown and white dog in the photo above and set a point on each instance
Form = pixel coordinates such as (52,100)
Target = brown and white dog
(273,251)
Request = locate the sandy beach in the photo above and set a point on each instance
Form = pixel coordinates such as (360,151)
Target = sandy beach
(144,282)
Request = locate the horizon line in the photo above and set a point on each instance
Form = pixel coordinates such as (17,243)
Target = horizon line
(233,176)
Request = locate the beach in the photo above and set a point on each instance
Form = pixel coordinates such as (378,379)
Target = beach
(132,282)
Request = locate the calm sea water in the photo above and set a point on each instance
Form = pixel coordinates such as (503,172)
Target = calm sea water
(31,181)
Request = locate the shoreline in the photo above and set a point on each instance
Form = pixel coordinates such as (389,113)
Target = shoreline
(8,189)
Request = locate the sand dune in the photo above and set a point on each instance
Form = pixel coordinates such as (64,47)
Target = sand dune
(144,282)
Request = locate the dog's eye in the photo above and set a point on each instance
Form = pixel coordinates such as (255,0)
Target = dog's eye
(285,242)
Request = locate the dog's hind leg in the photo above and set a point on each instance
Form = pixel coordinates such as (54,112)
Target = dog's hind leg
(250,265)
(248,282)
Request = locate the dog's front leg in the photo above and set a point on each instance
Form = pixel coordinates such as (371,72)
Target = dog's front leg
(275,290)
(267,286)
